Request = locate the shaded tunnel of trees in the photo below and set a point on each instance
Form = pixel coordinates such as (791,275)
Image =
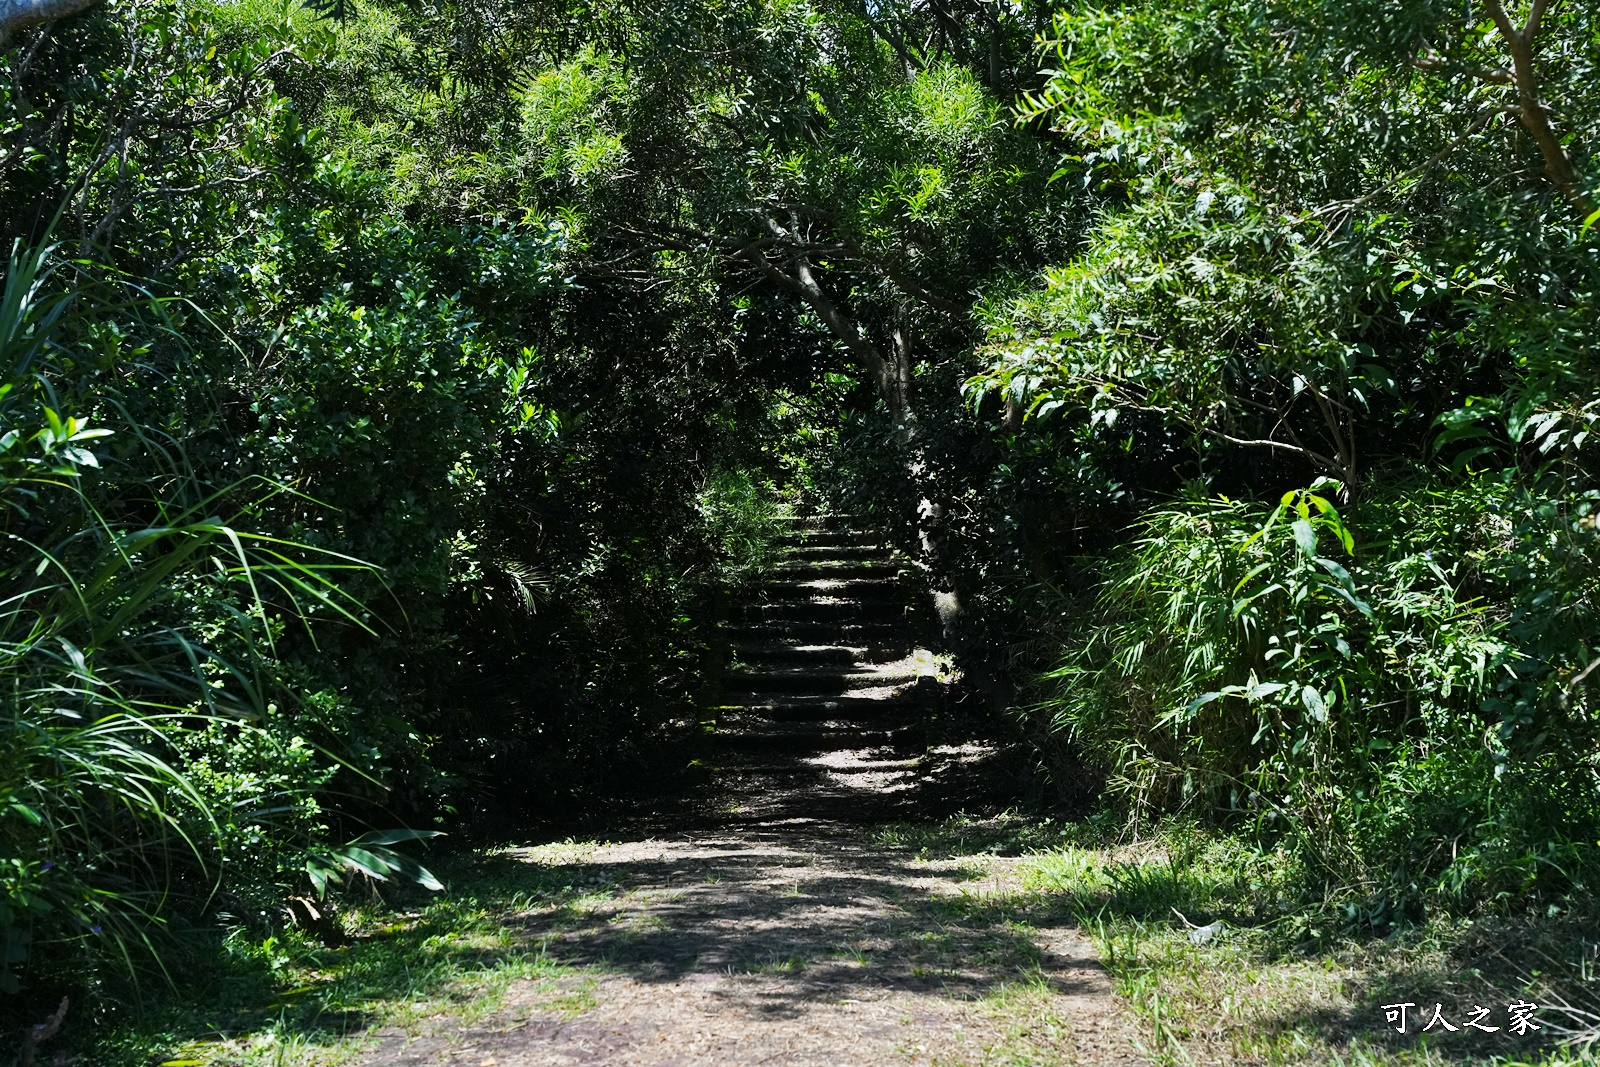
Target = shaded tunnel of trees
(395,391)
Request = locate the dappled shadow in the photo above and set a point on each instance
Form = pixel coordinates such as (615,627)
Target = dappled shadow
(786,941)
(857,786)
(775,916)
(792,917)
(1262,982)
(819,914)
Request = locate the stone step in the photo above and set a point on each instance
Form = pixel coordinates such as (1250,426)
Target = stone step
(879,758)
(837,613)
(836,569)
(811,737)
(819,522)
(881,714)
(835,554)
(827,539)
(779,631)
(843,707)
(818,654)
(818,680)
(762,656)
(863,589)
(867,702)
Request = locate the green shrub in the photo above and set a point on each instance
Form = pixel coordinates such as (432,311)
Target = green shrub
(1388,706)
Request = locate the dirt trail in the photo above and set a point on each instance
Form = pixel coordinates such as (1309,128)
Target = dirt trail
(793,927)
(799,944)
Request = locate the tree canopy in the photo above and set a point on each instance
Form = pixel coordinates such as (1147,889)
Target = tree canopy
(394,391)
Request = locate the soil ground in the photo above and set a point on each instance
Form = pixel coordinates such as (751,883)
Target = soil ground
(764,935)
(779,924)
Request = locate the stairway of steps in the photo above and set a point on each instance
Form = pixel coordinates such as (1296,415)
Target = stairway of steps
(823,653)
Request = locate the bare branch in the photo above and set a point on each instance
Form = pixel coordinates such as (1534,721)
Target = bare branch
(1343,449)
(1266,442)
(1433,61)
(1579,679)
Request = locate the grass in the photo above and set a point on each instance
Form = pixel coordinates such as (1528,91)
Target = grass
(408,967)
(1031,1029)
(775,964)
(964,838)
(1283,982)
(1287,982)
(1280,984)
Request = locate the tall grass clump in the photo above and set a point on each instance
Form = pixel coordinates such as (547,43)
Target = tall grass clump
(148,767)
(1399,700)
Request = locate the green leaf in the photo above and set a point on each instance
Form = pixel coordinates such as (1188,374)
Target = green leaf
(1466,422)
(1251,574)
(26,812)
(1305,537)
(1314,703)
(366,861)
(414,872)
(1339,573)
(1346,538)
(1464,460)
(1354,601)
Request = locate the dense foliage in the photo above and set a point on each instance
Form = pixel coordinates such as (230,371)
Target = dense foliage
(393,393)
(333,508)
(1349,259)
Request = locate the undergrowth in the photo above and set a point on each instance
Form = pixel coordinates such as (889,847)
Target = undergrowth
(1282,977)
(396,968)
(1279,980)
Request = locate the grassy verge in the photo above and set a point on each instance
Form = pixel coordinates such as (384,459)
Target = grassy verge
(1282,982)
(399,969)
(1279,982)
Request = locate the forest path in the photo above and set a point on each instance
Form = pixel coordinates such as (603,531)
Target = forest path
(794,945)
(813,917)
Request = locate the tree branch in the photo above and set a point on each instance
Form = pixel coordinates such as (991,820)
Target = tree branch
(16,14)
(1530,29)
(40,1033)
(1557,165)
(1433,61)
(895,41)
(1326,462)
(805,286)
(909,286)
